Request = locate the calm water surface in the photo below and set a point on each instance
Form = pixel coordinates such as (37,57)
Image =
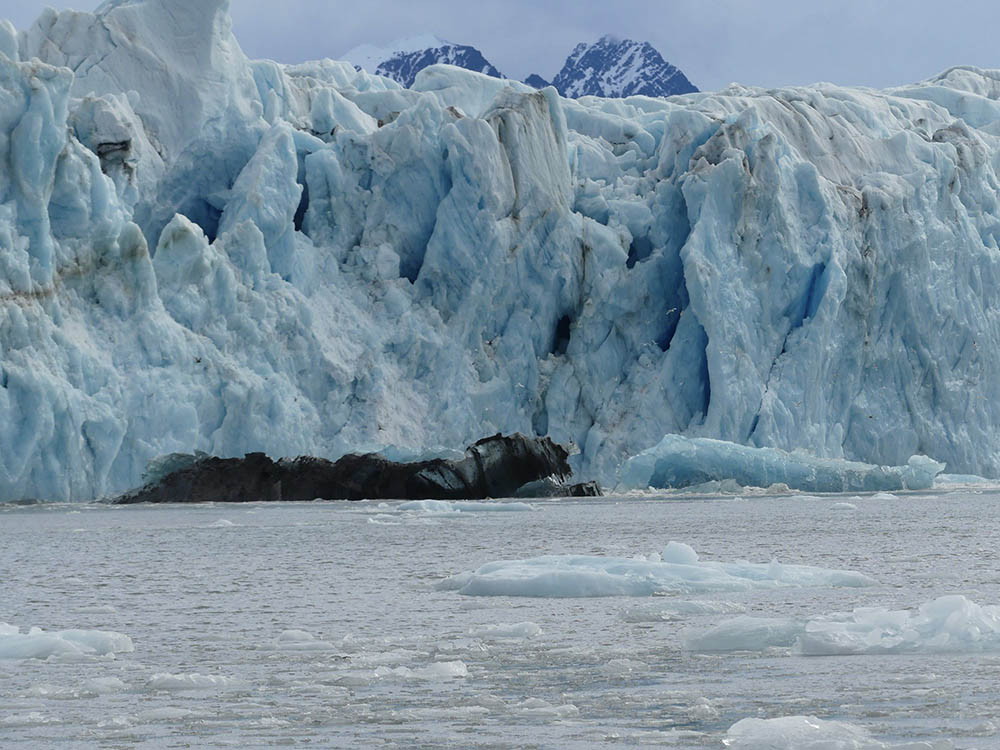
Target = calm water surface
(211,591)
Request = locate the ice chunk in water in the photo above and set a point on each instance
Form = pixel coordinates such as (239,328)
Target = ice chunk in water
(441,670)
(513,630)
(672,609)
(301,640)
(171,682)
(950,624)
(681,462)
(445,506)
(680,554)
(38,644)
(677,570)
(810,733)
(748,634)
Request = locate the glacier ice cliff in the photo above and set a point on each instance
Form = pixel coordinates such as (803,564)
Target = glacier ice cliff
(201,252)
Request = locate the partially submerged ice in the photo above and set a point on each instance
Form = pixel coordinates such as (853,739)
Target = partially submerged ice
(677,570)
(947,625)
(683,462)
(201,252)
(811,733)
(65,644)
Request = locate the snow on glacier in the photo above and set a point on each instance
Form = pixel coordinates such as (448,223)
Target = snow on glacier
(200,252)
(677,570)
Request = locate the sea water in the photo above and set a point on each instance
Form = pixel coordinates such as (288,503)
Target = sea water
(333,625)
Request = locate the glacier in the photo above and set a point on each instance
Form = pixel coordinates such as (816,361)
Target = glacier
(203,252)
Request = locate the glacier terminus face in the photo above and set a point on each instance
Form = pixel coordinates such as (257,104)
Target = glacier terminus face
(201,252)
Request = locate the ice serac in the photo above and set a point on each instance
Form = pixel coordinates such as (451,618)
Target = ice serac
(678,462)
(200,252)
(167,86)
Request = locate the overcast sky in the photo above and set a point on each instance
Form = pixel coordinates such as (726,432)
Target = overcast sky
(762,42)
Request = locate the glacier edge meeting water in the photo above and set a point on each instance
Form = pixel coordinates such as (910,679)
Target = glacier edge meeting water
(202,252)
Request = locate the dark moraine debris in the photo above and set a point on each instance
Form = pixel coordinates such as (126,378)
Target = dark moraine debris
(494,467)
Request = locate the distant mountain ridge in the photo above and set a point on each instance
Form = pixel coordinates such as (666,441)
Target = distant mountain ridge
(402,60)
(610,67)
(617,68)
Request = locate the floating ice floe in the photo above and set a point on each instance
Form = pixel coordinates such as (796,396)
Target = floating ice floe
(433,672)
(672,609)
(169,713)
(512,630)
(39,644)
(541,709)
(951,624)
(164,681)
(951,480)
(104,686)
(747,634)
(681,462)
(90,688)
(679,570)
(810,733)
(32,719)
(301,640)
(458,507)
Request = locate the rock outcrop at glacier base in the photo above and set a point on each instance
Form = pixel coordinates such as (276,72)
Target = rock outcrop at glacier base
(497,466)
(200,252)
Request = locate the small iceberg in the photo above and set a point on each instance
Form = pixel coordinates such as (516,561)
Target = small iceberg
(677,570)
(810,733)
(948,625)
(679,462)
(39,644)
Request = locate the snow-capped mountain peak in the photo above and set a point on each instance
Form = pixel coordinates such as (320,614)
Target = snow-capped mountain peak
(369,56)
(403,59)
(614,67)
